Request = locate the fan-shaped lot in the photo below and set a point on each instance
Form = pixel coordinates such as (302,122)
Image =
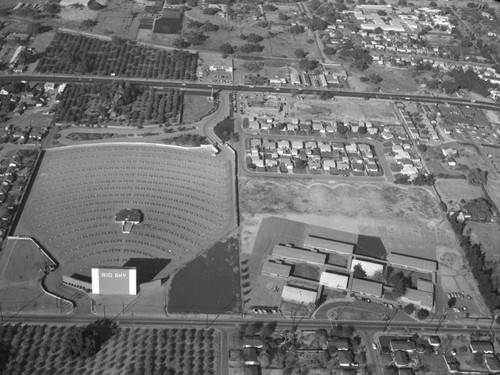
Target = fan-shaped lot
(185,196)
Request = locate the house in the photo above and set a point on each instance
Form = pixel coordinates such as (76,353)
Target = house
(434,341)
(252,342)
(492,363)
(250,357)
(345,358)
(341,344)
(484,347)
(402,345)
(329,164)
(401,359)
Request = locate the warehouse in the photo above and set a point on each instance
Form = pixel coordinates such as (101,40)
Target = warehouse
(334,280)
(412,263)
(298,295)
(328,245)
(276,269)
(367,287)
(298,255)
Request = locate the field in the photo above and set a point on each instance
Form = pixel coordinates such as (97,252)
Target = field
(210,283)
(184,195)
(348,110)
(195,107)
(452,191)
(76,54)
(39,350)
(116,104)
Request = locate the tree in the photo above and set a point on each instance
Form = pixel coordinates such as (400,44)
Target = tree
(308,65)
(195,37)
(87,23)
(192,3)
(94,5)
(34,28)
(409,309)
(452,302)
(400,283)
(422,314)
(283,17)
(254,38)
(300,53)
(477,177)
(317,23)
(378,30)
(358,272)
(375,78)
(297,29)
(433,4)
(181,43)
(226,49)
(329,51)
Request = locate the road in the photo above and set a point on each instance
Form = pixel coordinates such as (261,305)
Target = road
(285,90)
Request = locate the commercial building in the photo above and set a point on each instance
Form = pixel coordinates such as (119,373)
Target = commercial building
(276,269)
(298,255)
(298,295)
(367,287)
(412,263)
(334,280)
(419,298)
(328,245)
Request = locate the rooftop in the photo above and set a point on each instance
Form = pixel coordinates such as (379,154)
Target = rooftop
(412,262)
(276,269)
(298,295)
(368,287)
(328,245)
(301,255)
(334,280)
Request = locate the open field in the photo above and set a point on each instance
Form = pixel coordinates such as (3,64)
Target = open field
(194,107)
(184,195)
(488,235)
(348,110)
(452,191)
(40,350)
(210,283)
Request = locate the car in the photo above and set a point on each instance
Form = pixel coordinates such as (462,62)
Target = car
(462,295)
(464,308)
(456,309)
(391,306)
(374,346)
(368,300)
(468,296)
(386,304)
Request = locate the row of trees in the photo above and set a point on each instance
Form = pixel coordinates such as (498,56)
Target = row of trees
(76,54)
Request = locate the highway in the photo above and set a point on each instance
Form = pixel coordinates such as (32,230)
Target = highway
(285,90)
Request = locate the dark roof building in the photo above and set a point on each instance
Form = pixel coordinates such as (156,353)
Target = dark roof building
(492,363)
(401,359)
(402,345)
(367,287)
(170,23)
(276,269)
(485,347)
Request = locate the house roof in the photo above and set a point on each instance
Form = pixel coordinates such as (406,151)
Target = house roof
(492,363)
(328,245)
(339,343)
(302,255)
(405,345)
(401,358)
(368,287)
(255,342)
(129,215)
(482,346)
(250,354)
(334,280)
(345,357)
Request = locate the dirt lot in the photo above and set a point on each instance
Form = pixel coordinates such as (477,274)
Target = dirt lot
(348,110)
(454,190)
(407,220)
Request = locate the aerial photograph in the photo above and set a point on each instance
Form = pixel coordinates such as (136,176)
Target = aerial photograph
(238,187)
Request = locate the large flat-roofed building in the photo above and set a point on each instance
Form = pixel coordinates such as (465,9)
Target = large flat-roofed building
(425,285)
(276,269)
(412,263)
(298,295)
(371,268)
(334,280)
(298,255)
(328,245)
(367,287)
(419,298)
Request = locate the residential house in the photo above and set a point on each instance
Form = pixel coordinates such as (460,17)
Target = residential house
(484,347)
(345,358)
(402,345)
(401,359)
(250,357)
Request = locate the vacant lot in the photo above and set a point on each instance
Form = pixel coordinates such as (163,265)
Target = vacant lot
(210,283)
(348,110)
(41,350)
(195,107)
(452,191)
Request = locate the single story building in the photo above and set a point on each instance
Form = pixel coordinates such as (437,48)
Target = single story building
(276,269)
(298,295)
(298,255)
(367,287)
(334,280)
(328,245)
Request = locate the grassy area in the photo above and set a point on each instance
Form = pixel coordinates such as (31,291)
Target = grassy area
(453,191)
(195,107)
(210,283)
